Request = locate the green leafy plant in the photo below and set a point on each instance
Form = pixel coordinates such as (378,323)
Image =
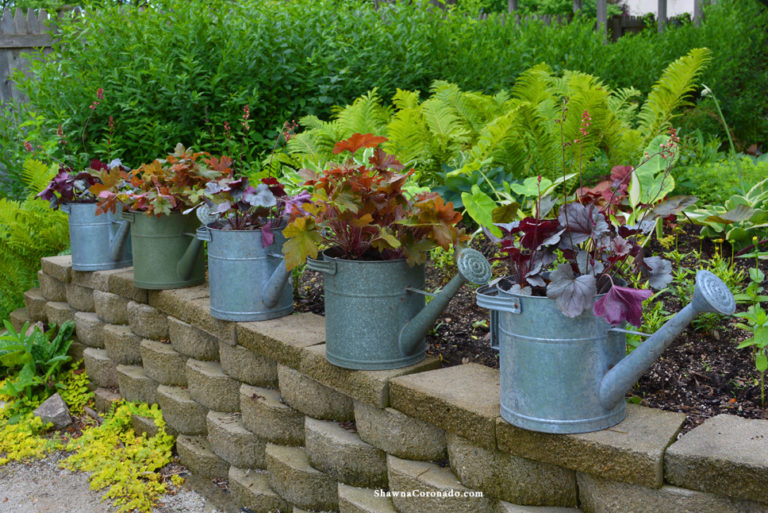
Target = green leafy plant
(757,324)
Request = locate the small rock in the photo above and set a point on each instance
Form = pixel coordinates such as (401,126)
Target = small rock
(54,410)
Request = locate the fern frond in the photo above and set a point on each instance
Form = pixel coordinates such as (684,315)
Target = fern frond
(622,103)
(533,85)
(365,115)
(36,175)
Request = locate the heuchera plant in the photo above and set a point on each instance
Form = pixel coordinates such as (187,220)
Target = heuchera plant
(173,184)
(362,213)
(84,186)
(241,206)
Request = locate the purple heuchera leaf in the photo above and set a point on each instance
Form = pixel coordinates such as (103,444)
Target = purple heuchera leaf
(622,304)
(267,236)
(658,271)
(572,294)
(581,223)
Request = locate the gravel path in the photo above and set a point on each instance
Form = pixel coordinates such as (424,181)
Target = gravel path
(43,487)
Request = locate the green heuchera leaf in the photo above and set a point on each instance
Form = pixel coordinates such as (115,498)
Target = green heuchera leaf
(530,186)
(480,207)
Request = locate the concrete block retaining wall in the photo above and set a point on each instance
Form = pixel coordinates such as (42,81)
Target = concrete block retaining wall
(258,404)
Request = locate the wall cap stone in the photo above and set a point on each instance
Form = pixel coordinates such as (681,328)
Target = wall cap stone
(59,267)
(283,339)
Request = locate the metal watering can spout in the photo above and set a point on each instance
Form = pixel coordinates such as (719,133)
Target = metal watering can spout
(117,240)
(273,289)
(710,295)
(472,267)
(186,264)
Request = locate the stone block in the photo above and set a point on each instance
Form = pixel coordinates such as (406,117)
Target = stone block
(311,398)
(163,364)
(135,385)
(55,411)
(631,451)
(195,454)
(343,456)
(434,488)
(396,433)
(511,478)
(506,507)
(147,322)
(104,398)
(247,366)
(58,312)
(283,339)
(144,425)
(76,351)
(96,280)
(51,288)
(230,441)
(209,386)
(371,387)
(463,399)
(89,329)
(79,298)
(35,303)
(19,318)
(110,308)
(121,283)
(265,415)
(727,455)
(58,267)
(101,370)
(250,489)
(363,500)
(180,411)
(122,344)
(192,305)
(192,341)
(598,495)
(292,477)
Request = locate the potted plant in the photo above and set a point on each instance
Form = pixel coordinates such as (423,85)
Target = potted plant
(245,240)
(98,242)
(166,252)
(375,238)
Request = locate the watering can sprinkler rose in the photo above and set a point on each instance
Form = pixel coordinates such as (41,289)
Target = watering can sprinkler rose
(377,238)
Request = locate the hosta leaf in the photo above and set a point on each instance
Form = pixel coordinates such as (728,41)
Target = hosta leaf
(480,207)
(572,294)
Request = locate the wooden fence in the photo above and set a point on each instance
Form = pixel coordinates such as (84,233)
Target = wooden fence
(20,32)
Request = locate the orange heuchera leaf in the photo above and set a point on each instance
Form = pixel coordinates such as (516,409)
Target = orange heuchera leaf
(223,165)
(358,141)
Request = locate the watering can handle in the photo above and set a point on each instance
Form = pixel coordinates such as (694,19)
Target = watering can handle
(323,266)
(118,240)
(203,233)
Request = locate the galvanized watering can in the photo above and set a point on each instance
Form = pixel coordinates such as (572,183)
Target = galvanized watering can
(375,313)
(562,375)
(248,282)
(98,242)
(166,252)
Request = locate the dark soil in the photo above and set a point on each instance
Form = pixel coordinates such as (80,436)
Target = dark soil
(701,374)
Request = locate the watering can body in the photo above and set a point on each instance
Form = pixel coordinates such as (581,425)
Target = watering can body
(98,242)
(375,313)
(166,252)
(248,282)
(570,375)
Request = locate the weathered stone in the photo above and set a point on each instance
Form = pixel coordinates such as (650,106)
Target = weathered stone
(76,350)
(598,495)
(250,489)
(343,456)
(58,267)
(110,307)
(398,434)
(135,385)
(90,279)
(506,507)
(79,298)
(121,283)
(427,479)
(192,341)
(371,387)
(509,477)
(101,370)
(463,399)
(292,477)
(247,366)
(51,288)
(89,329)
(233,443)
(147,322)
(180,411)
(209,386)
(283,339)
(265,415)
(19,318)
(144,425)
(55,411)
(163,364)
(363,500)
(58,312)
(195,454)
(727,455)
(192,305)
(35,303)
(122,344)
(104,398)
(630,452)
(311,398)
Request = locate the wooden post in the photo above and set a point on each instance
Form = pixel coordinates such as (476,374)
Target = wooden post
(577,5)
(661,17)
(602,16)
(698,12)
(511,5)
